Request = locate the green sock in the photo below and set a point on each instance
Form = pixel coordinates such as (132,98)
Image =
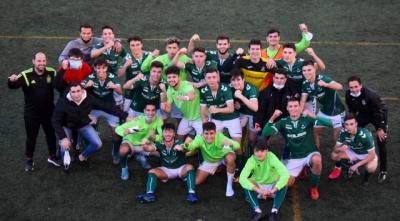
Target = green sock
(190,181)
(115,146)
(279,197)
(151,183)
(251,198)
(314,179)
(238,161)
(124,161)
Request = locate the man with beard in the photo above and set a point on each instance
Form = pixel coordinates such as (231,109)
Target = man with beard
(219,56)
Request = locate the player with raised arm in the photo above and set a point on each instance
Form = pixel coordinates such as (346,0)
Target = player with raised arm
(298,133)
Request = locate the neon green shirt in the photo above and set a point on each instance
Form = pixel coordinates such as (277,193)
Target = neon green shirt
(270,170)
(167,62)
(144,128)
(189,109)
(215,151)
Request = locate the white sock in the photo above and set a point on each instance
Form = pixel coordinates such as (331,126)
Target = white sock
(273,210)
(229,189)
(257,210)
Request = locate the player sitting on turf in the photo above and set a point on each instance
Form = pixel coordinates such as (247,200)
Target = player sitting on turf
(102,85)
(357,145)
(216,149)
(136,133)
(173,165)
(298,133)
(268,178)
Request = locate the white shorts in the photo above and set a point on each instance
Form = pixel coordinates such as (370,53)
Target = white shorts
(311,106)
(354,157)
(247,120)
(134,148)
(186,126)
(175,112)
(337,120)
(127,104)
(268,187)
(233,126)
(211,167)
(113,121)
(132,114)
(118,98)
(173,173)
(295,166)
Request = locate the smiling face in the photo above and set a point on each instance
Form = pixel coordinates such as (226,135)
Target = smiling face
(40,62)
(136,47)
(255,52)
(223,46)
(209,135)
(273,39)
(150,111)
(309,72)
(173,80)
(155,74)
(237,83)
(168,134)
(293,107)
(107,35)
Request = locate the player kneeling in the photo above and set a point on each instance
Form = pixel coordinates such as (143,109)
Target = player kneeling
(356,144)
(173,165)
(268,178)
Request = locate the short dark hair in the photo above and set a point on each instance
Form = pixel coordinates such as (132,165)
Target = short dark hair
(282,71)
(209,126)
(172,70)
(236,73)
(294,99)
(168,126)
(273,30)
(290,45)
(152,103)
(254,42)
(307,62)
(354,78)
(75,52)
(107,27)
(100,61)
(202,50)
(261,145)
(135,38)
(211,70)
(223,37)
(172,40)
(349,116)
(156,64)
(75,84)
(85,26)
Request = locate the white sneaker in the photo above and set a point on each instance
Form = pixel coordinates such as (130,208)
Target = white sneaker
(67,159)
(229,192)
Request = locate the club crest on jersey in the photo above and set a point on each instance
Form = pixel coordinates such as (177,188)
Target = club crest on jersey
(48,79)
(364,103)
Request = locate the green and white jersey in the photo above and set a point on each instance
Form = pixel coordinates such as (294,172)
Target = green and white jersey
(295,72)
(268,171)
(169,157)
(196,73)
(145,93)
(212,55)
(361,143)
(250,92)
(219,100)
(213,152)
(113,57)
(167,62)
(328,98)
(189,109)
(100,89)
(298,134)
(132,71)
(137,138)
